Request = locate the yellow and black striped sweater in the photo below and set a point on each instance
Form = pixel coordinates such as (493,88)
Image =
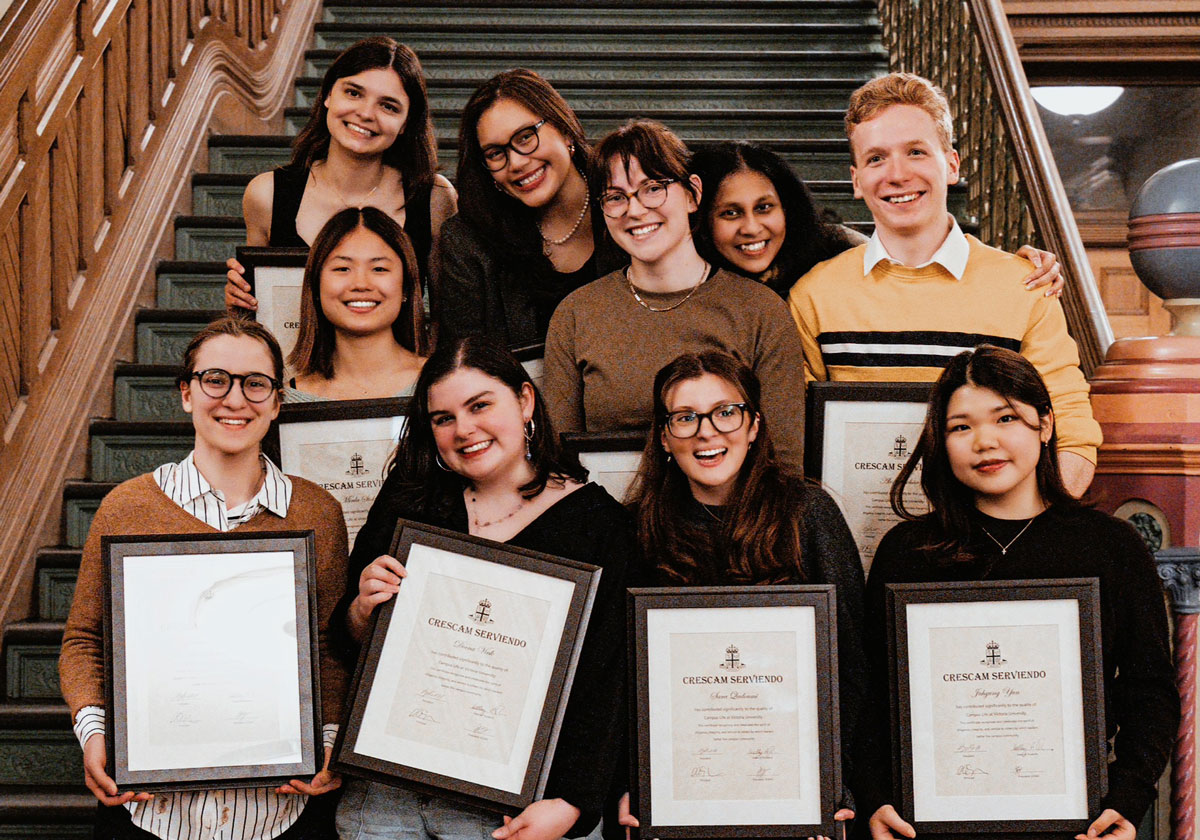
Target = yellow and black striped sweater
(905,324)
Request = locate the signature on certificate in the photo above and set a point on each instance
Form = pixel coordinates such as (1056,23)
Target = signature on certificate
(705,773)
(422,716)
(968,771)
(705,753)
(428,695)
(489,712)
(761,753)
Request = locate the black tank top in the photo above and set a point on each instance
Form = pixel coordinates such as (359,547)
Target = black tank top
(290,182)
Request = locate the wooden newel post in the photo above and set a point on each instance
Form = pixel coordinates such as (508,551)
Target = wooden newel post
(1180,572)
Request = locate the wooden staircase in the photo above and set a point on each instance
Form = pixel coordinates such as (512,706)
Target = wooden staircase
(777,71)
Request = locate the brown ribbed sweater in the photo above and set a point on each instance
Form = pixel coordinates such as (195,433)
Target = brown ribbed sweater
(138,506)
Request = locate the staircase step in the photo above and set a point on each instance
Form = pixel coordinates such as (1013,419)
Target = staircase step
(632,14)
(191,285)
(649,36)
(163,334)
(709,125)
(629,95)
(123,450)
(31,660)
(218,193)
(80,501)
(624,64)
(208,238)
(37,746)
(147,393)
(57,569)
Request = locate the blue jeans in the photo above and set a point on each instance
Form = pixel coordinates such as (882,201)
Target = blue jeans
(374,811)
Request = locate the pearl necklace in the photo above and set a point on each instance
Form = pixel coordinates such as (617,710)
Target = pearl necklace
(547,242)
(691,291)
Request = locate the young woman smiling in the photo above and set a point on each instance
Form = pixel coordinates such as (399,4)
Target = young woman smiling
(369,141)
(479,455)
(759,219)
(608,339)
(230,386)
(523,237)
(362,323)
(989,467)
(715,507)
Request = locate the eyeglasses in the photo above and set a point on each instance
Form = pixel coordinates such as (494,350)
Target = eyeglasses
(216,383)
(651,194)
(724,418)
(524,141)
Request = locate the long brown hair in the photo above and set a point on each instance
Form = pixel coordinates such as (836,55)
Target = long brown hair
(428,487)
(313,352)
(760,539)
(414,153)
(503,221)
(1015,379)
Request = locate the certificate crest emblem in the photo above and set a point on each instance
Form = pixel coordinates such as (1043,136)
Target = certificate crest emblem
(992,657)
(356,465)
(900,447)
(483,612)
(733,660)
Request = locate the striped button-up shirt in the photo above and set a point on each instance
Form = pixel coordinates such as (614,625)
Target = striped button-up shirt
(235,814)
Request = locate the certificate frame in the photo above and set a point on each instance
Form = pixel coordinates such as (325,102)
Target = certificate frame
(915,610)
(722,609)
(832,407)
(367,748)
(138,564)
(274,274)
(356,482)
(611,458)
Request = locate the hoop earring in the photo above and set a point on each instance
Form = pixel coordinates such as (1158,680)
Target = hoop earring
(437,457)
(496,184)
(530,429)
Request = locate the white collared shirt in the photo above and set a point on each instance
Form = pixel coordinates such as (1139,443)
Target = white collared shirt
(951,255)
(248,813)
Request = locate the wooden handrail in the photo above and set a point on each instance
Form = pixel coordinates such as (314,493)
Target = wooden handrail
(104,105)
(1039,175)
(966,47)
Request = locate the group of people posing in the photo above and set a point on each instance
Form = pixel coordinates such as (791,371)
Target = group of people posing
(688,293)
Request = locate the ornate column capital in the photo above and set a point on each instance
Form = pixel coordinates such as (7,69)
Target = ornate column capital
(1179,569)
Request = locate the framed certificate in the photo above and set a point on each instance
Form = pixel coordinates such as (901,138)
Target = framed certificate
(532,358)
(462,685)
(211,660)
(734,711)
(998,704)
(276,278)
(857,437)
(611,458)
(343,445)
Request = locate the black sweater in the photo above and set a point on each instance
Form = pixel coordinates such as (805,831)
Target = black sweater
(828,555)
(588,526)
(1140,699)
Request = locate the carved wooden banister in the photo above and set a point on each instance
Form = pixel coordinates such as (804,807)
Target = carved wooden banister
(966,47)
(103,107)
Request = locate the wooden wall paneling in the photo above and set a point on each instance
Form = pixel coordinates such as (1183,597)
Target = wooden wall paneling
(137,78)
(36,308)
(64,203)
(159,54)
(10,318)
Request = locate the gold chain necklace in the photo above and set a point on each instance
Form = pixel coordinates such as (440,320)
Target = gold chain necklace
(346,203)
(691,291)
(1004,548)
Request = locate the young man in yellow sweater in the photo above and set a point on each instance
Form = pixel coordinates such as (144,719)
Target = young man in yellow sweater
(919,292)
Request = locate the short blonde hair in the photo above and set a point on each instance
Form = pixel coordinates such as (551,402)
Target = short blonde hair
(875,96)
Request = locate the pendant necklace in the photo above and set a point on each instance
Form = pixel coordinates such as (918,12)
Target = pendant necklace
(345,203)
(1004,548)
(691,291)
(547,242)
(477,524)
